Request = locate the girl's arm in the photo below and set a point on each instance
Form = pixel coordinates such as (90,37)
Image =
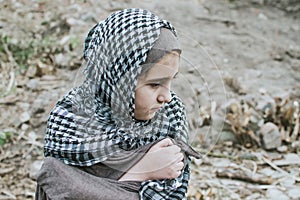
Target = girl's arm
(163,161)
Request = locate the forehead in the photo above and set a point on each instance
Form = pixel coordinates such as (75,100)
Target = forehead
(167,66)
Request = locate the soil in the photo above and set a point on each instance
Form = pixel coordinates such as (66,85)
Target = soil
(240,61)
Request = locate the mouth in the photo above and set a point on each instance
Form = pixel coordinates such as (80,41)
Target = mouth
(155,109)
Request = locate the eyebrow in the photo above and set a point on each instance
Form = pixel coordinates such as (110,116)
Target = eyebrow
(161,79)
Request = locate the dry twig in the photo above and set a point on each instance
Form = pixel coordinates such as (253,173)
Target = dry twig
(269,162)
(239,175)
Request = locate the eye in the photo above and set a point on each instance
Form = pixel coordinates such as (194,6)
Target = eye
(154,85)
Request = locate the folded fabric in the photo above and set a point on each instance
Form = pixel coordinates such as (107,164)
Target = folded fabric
(56,180)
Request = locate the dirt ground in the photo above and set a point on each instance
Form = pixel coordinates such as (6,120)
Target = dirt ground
(240,68)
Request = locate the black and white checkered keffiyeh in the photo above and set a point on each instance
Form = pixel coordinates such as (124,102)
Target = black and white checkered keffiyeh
(95,120)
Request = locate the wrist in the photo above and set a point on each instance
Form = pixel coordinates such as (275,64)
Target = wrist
(134,177)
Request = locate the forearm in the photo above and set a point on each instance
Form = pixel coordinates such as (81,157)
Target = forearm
(134,177)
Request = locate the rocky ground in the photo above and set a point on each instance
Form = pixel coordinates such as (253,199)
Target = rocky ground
(239,79)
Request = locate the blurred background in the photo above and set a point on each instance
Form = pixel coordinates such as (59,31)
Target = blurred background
(239,79)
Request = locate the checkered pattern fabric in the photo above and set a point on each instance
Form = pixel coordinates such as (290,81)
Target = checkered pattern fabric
(95,120)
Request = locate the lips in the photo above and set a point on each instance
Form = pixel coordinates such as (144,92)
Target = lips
(155,109)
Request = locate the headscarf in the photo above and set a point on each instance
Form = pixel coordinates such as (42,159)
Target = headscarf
(96,119)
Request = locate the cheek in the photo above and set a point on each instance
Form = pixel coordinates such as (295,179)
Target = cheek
(138,99)
(144,98)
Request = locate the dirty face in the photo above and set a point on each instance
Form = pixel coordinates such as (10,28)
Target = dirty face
(153,87)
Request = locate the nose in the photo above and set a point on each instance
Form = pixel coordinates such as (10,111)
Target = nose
(164,95)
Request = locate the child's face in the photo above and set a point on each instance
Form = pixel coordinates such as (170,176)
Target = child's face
(153,88)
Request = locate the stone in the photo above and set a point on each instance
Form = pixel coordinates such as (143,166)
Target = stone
(296,146)
(289,159)
(61,60)
(267,171)
(24,117)
(274,193)
(254,196)
(33,84)
(228,136)
(32,71)
(45,69)
(24,127)
(270,136)
(294,193)
(286,181)
(294,52)
(34,168)
(262,91)
(282,149)
(262,16)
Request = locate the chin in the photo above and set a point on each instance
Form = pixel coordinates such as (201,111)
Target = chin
(150,116)
(145,117)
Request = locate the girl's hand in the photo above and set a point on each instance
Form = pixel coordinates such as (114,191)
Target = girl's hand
(163,161)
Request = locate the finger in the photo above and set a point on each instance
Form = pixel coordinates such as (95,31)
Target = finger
(165,142)
(178,173)
(174,149)
(180,157)
(179,166)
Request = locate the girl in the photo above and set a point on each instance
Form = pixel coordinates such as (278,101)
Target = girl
(122,134)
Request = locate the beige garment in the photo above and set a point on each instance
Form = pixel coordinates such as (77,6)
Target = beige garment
(57,181)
